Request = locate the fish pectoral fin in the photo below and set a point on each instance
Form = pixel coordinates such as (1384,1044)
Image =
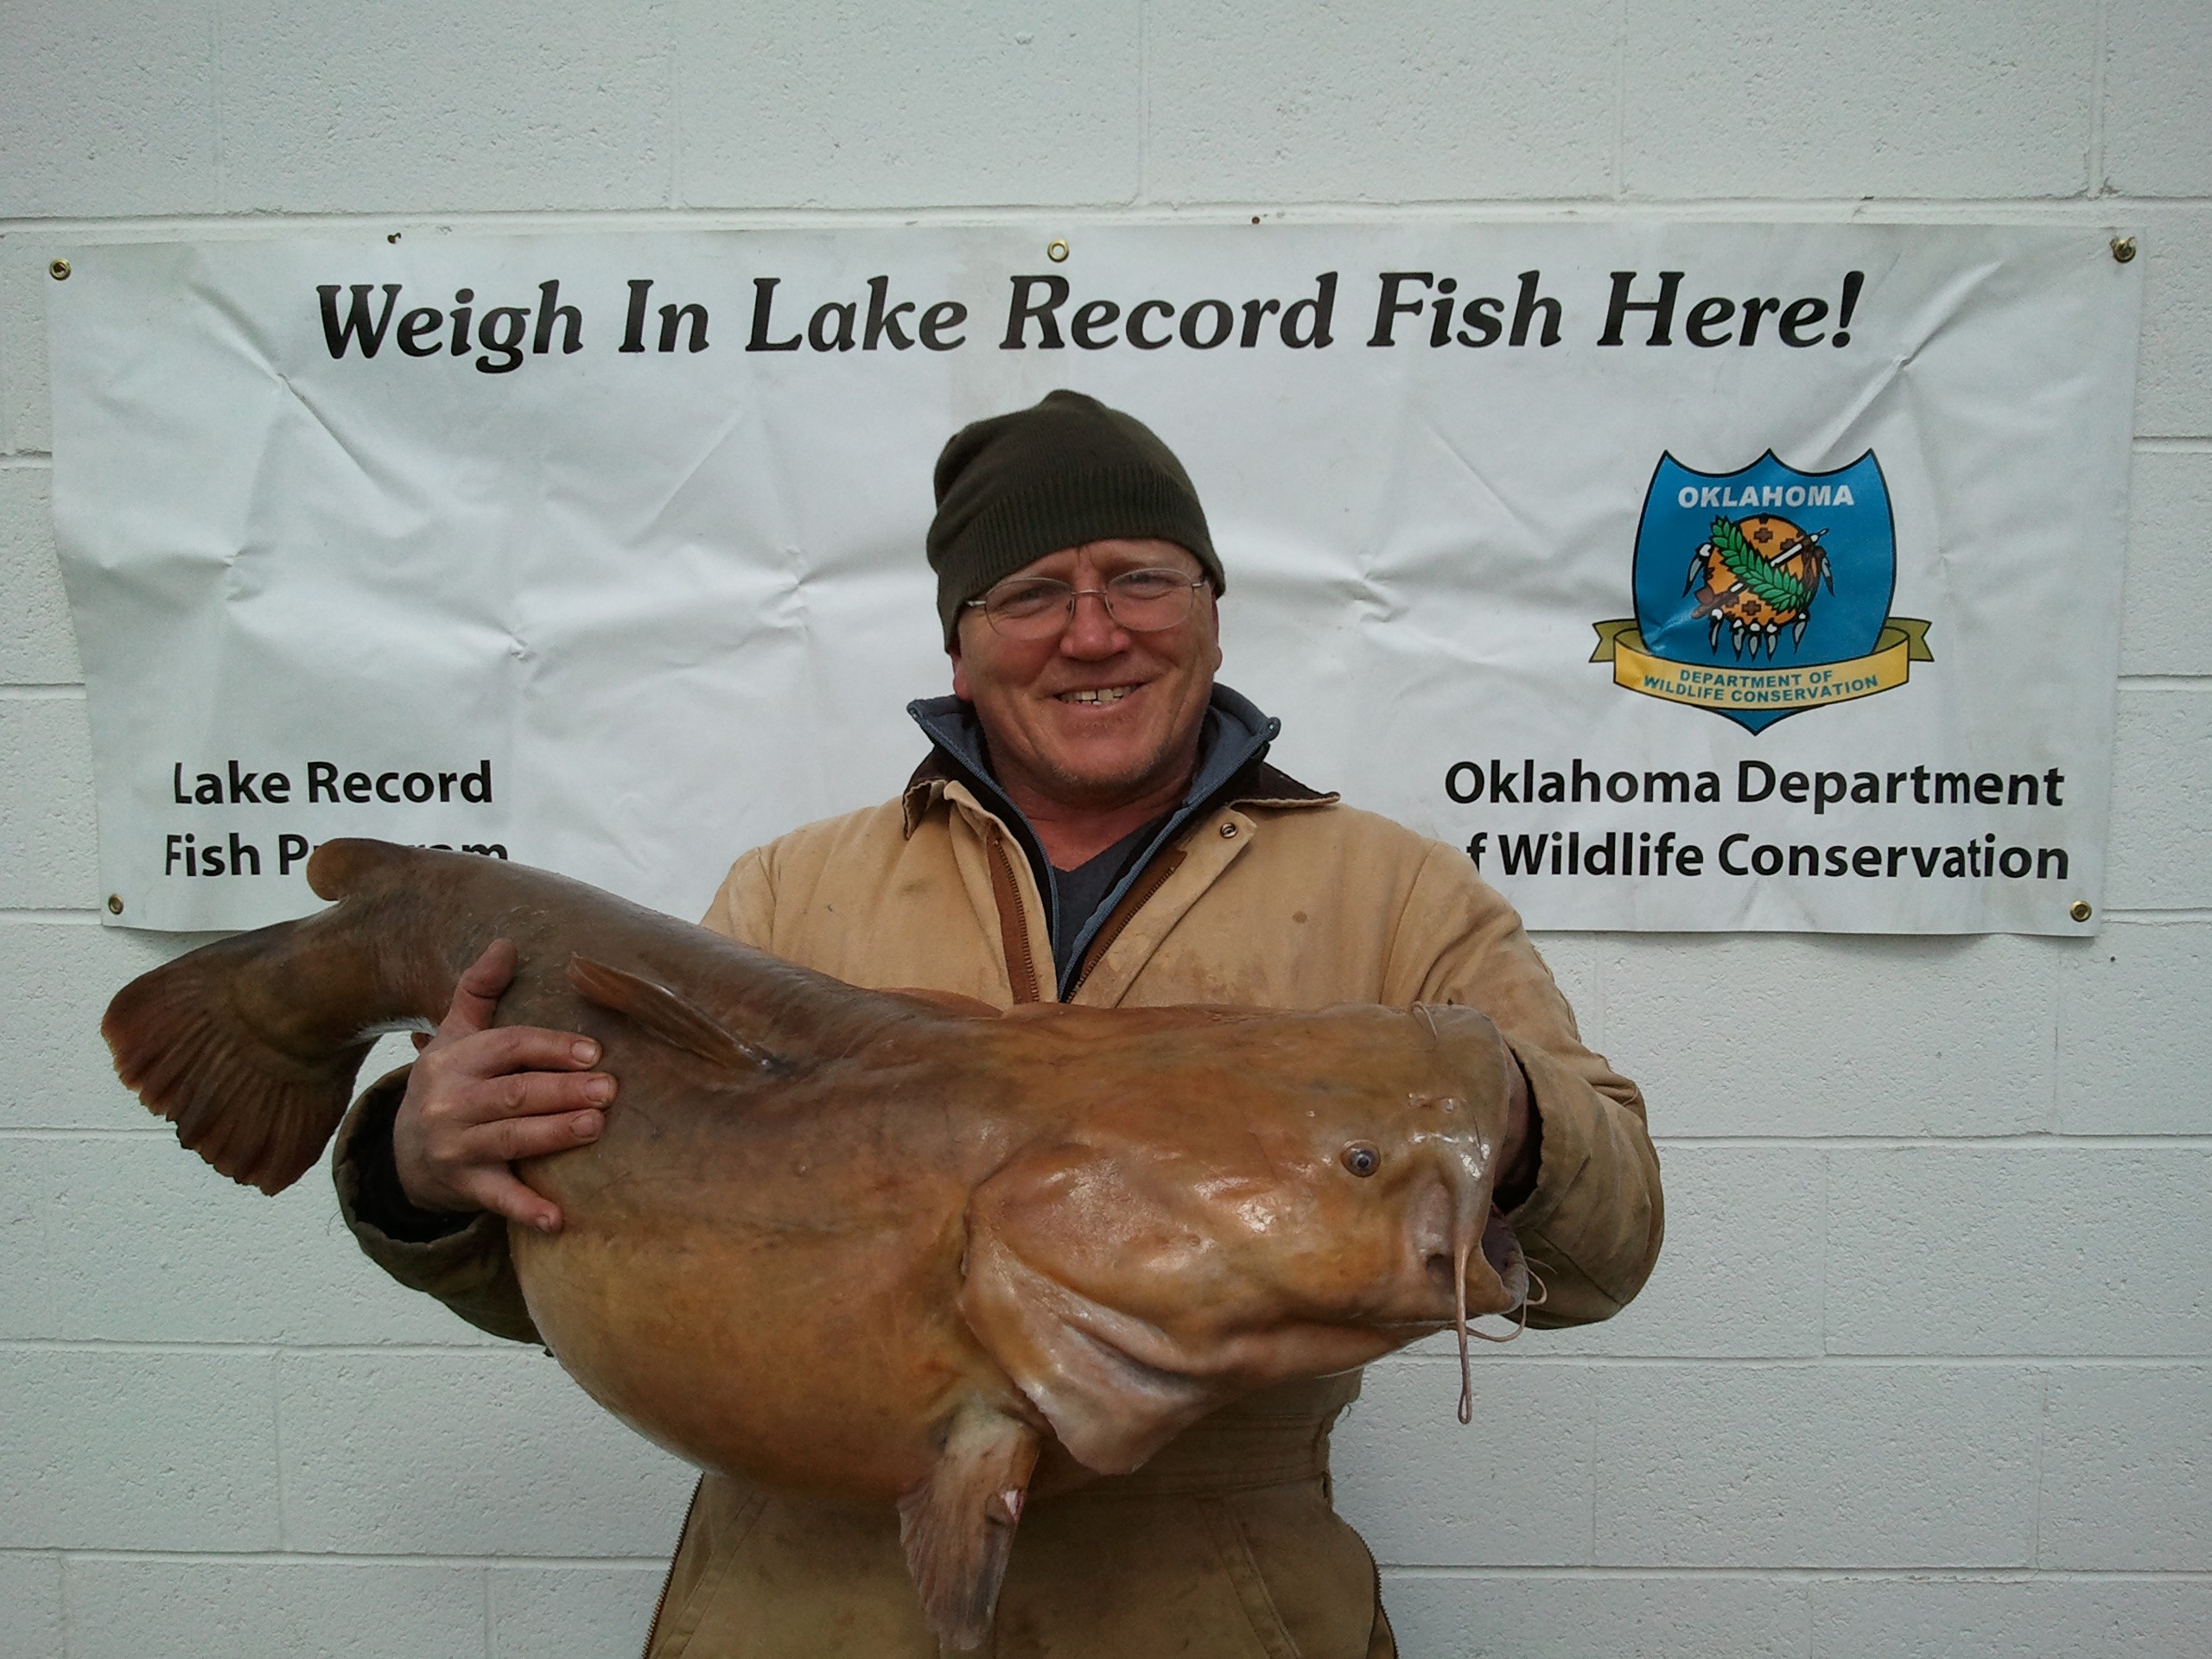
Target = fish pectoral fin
(1111,1408)
(957,1526)
(666,1015)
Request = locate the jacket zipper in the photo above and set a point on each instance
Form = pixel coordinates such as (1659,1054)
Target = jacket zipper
(660,1607)
(1154,878)
(1014,923)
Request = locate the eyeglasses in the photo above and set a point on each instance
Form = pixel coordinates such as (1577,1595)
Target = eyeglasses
(1036,607)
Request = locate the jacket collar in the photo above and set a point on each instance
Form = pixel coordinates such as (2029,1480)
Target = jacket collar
(1232,766)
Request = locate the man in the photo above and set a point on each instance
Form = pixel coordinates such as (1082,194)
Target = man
(1096,823)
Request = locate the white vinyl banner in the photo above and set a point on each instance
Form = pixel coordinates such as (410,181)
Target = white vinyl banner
(1688,576)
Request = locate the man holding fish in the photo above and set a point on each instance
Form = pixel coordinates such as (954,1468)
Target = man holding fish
(1095,824)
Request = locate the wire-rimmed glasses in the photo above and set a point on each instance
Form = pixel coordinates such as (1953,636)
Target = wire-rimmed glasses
(1036,607)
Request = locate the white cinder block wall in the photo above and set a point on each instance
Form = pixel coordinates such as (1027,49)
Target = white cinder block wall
(1924,1371)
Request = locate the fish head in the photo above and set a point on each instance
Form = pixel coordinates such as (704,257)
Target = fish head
(1273,1199)
(1351,1196)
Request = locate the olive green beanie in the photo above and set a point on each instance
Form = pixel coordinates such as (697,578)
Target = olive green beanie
(1015,488)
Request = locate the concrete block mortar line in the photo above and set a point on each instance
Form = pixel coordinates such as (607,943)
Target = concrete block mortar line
(68,1597)
(1590,1020)
(2100,49)
(217,127)
(1932,210)
(49,918)
(1620,101)
(337,1558)
(276,1447)
(2042,1435)
(1448,1363)
(2054,1110)
(676,146)
(2158,918)
(1827,1222)
(2166,681)
(1590,1539)
(1556,1570)
(476,1352)
(1144,102)
(2173,446)
(1809,1575)
(2038,1141)
(470,1347)
(60,691)
(26,460)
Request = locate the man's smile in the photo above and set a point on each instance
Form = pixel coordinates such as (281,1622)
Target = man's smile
(1096,695)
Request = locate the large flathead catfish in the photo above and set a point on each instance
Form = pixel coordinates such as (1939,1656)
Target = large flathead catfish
(865,1244)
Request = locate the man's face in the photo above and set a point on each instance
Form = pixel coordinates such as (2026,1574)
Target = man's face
(1094,716)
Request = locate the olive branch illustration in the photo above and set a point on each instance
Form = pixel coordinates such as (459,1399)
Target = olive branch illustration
(1778,588)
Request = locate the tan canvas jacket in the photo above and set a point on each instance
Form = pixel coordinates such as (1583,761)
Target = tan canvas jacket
(1277,897)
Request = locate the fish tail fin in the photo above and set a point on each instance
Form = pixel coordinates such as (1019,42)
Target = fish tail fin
(249,1045)
(186,1041)
(957,1526)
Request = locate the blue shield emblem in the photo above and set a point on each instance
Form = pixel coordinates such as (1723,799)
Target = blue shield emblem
(1762,576)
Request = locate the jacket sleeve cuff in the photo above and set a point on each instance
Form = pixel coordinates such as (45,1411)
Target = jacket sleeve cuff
(1591,1229)
(461,1260)
(377,1197)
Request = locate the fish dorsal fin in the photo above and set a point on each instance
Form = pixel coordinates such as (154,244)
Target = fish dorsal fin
(967,1008)
(666,1015)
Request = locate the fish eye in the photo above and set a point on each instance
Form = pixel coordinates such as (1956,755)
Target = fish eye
(1361,1158)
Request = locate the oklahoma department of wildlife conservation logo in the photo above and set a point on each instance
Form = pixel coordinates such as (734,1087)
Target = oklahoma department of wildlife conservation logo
(1763,592)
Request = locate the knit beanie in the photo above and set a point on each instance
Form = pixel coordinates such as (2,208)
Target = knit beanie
(1069,470)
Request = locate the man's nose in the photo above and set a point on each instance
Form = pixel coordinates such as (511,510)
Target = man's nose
(1092,632)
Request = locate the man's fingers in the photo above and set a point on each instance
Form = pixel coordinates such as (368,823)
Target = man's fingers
(483,1054)
(506,1139)
(497,1189)
(525,1095)
(476,997)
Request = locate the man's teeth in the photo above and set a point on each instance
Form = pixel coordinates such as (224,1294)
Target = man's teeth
(1104,694)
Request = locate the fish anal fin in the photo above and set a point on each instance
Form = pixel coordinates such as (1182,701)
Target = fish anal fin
(957,1526)
(665,1015)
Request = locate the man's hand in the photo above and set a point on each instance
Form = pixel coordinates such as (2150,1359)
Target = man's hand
(479,1098)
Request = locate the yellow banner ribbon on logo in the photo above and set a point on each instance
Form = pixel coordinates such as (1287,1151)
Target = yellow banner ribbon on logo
(1903,640)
